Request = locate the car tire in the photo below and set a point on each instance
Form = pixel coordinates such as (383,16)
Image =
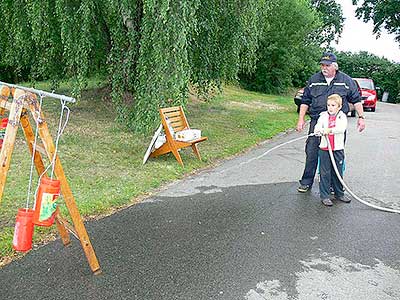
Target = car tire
(373,109)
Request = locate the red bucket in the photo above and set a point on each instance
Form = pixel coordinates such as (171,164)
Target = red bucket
(4,123)
(46,205)
(3,126)
(23,231)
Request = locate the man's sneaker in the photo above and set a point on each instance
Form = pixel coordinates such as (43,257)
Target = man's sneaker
(327,202)
(343,199)
(303,188)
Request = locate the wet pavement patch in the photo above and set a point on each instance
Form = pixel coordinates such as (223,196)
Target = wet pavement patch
(221,243)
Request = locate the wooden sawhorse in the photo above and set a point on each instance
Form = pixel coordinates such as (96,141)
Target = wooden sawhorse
(23,103)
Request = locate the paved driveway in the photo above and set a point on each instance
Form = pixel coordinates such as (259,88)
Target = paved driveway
(241,231)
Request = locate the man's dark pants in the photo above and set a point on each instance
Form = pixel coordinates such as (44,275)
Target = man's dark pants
(312,149)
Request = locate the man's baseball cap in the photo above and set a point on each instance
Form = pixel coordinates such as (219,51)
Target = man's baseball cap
(328,58)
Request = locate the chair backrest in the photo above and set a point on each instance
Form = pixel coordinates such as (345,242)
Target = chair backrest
(174,117)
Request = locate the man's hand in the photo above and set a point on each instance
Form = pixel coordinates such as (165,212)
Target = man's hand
(300,124)
(360,124)
(360,111)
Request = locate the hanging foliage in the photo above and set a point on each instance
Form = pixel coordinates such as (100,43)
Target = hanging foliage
(163,67)
(224,41)
(151,50)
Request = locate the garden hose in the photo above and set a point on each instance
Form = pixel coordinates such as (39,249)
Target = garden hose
(347,188)
(335,168)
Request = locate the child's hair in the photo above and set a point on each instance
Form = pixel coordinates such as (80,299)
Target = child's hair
(336,98)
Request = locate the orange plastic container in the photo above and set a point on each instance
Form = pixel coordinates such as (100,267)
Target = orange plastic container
(23,231)
(46,205)
(3,126)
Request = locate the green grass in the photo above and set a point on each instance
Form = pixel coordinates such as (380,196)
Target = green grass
(103,162)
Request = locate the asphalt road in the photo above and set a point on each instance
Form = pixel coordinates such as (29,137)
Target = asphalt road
(241,231)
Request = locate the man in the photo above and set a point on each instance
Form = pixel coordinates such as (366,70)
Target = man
(321,85)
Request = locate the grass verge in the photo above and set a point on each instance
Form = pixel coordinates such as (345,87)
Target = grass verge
(103,162)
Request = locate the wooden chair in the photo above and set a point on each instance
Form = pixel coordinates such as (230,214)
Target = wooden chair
(173,120)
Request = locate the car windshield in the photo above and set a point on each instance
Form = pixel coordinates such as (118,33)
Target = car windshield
(367,84)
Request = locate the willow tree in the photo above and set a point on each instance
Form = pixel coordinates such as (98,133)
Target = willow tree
(151,50)
(198,42)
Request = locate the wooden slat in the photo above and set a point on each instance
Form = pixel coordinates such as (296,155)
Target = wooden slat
(4,94)
(39,148)
(9,139)
(62,229)
(186,123)
(169,109)
(175,119)
(179,128)
(5,104)
(30,138)
(173,114)
(178,125)
(68,227)
(182,144)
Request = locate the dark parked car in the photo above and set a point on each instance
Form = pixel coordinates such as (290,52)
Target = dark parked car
(297,98)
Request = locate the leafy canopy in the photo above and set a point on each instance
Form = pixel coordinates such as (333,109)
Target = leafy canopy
(149,50)
(384,13)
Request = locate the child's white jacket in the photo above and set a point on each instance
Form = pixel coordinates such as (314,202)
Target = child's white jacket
(338,130)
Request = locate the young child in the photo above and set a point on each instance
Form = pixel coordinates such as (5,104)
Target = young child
(331,125)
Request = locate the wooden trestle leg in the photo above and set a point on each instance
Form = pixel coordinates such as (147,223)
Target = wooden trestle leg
(9,139)
(65,189)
